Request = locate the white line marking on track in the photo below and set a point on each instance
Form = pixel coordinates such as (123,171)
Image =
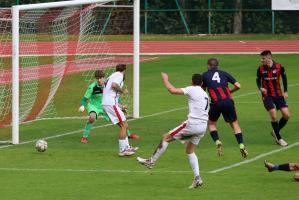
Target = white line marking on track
(254,158)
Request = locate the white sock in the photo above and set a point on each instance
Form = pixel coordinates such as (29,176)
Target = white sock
(122,145)
(159,151)
(127,143)
(194,163)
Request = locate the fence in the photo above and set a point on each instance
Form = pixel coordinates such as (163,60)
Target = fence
(209,17)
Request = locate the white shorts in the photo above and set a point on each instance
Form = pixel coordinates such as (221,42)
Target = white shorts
(189,132)
(115,114)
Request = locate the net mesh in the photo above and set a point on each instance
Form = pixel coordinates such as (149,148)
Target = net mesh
(59,51)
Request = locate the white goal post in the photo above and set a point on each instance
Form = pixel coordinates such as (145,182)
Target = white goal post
(16,53)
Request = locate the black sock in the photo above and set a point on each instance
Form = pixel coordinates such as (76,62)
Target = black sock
(275,127)
(239,137)
(284,167)
(214,135)
(282,122)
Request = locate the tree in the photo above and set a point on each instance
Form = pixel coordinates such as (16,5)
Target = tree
(237,28)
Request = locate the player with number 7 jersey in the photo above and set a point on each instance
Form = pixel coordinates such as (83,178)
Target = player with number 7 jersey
(216,82)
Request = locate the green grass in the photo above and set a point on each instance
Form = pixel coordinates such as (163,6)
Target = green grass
(249,181)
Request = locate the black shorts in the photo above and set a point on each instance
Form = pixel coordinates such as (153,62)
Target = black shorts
(226,108)
(274,102)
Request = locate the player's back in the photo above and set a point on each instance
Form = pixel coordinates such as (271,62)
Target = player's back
(110,97)
(216,81)
(198,103)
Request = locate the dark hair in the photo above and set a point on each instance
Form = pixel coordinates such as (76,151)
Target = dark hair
(197,79)
(266,53)
(99,74)
(120,67)
(213,62)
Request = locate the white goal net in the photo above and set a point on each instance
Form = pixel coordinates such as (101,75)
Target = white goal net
(60,47)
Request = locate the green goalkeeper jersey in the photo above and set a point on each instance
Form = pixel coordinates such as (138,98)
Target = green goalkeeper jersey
(94,94)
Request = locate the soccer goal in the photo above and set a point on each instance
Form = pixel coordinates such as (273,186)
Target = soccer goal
(49,51)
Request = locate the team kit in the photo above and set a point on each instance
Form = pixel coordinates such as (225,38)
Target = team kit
(209,97)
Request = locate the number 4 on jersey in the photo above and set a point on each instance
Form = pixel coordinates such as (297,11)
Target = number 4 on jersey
(216,77)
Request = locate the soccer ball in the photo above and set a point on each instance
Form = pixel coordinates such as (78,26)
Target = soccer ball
(41,145)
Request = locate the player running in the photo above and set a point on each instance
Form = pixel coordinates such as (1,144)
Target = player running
(112,90)
(93,100)
(216,82)
(268,82)
(191,130)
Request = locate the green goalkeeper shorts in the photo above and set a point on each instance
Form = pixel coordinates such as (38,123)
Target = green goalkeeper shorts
(98,111)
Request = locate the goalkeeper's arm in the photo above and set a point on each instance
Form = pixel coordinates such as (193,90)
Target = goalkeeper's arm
(83,104)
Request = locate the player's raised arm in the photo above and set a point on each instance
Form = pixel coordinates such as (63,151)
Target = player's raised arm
(169,86)
(117,88)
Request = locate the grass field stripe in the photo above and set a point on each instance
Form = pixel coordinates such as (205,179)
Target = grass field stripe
(106,125)
(263,155)
(155,114)
(93,170)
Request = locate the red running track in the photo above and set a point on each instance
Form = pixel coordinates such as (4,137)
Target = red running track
(154,47)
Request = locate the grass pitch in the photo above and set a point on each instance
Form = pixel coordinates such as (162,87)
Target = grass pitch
(71,170)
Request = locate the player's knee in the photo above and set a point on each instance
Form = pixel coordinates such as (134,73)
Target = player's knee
(124,125)
(287,116)
(91,119)
(296,166)
(296,176)
(166,137)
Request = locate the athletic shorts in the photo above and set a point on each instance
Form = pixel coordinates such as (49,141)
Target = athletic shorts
(189,132)
(226,108)
(98,111)
(115,114)
(274,102)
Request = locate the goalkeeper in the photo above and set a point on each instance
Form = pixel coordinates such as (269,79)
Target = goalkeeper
(93,100)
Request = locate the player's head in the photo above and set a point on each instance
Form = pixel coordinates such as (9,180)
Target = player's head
(266,57)
(212,63)
(121,68)
(197,79)
(100,76)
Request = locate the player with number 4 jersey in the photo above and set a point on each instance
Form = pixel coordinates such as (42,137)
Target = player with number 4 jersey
(216,83)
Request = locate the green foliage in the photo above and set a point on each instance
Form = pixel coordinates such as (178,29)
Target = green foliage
(161,20)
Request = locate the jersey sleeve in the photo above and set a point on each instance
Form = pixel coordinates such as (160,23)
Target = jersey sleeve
(88,92)
(230,78)
(186,90)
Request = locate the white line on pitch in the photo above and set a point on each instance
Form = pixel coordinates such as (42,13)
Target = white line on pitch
(254,158)
(92,170)
(106,125)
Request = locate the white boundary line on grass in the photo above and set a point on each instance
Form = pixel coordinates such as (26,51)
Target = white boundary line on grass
(254,158)
(93,170)
(128,171)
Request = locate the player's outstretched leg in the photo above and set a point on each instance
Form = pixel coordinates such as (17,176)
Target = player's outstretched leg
(283,167)
(88,126)
(161,148)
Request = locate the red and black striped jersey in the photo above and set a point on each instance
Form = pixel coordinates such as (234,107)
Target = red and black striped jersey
(269,78)
(216,82)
